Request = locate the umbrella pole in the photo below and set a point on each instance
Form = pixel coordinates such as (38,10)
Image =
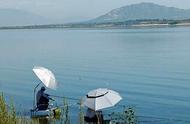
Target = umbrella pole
(35,95)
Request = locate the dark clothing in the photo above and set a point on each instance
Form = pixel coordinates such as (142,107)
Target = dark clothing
(42,100)
(90,113)
(93,119)
(93,116)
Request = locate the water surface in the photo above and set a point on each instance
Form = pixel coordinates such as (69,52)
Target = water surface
(150,68)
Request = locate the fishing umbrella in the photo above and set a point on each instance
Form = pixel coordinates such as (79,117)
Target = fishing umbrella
(46,76)
(101,98)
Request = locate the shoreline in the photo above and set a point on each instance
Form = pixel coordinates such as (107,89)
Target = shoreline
(100,26)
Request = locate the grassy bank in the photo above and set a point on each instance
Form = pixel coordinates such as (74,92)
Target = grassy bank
(8,115)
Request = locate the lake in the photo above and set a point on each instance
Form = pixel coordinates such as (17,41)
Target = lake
(150,68)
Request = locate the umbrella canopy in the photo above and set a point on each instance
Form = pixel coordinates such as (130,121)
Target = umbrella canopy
(101,98)
(46,76)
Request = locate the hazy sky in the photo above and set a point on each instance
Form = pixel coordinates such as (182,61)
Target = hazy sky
(78,9)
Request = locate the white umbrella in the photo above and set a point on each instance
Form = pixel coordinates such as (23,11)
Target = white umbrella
(46,76)
(101,98)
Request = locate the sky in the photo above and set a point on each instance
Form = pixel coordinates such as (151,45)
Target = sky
(77,10)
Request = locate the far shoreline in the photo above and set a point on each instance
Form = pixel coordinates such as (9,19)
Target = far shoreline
(101,26)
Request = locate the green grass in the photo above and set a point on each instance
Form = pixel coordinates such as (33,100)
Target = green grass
(8,114)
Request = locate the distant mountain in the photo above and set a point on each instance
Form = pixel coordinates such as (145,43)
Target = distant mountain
(12,17)
(143,11)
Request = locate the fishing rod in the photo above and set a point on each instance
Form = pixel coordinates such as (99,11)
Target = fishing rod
(63,97)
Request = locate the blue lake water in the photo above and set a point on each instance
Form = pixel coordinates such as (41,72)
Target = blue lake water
(150,68)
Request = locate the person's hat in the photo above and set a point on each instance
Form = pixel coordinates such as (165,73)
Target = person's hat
(43,88)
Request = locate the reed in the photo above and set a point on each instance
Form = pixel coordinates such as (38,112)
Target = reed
(65,119)
(81,113)
(3,110)
(8,114)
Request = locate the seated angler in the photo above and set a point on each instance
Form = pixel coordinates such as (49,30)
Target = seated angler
(42,99)
(93,117)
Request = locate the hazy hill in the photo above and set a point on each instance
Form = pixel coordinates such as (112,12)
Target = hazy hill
(143,11)
(12,17)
